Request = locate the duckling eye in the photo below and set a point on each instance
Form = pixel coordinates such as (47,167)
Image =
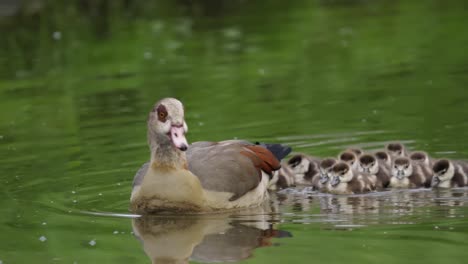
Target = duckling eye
(407,166)
(395,167)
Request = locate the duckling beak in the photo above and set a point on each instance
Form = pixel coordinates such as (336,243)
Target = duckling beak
(323,178)
(366,170)
(400,174)
(435,181)
(177,134)
(335,181)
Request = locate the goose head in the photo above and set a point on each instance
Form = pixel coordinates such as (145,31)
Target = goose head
(368,164)
(166,125)
(443,171)
(402,168)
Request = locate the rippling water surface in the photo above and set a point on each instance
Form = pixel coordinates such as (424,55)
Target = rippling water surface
(77,81)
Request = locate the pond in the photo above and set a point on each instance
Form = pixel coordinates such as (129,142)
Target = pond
(77,81)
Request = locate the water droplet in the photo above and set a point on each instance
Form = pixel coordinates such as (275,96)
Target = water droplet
(44,223)
(115,232)
(232,33)
(201,123)
(75,201)
(73,192)
(57,35)
(118,183)
(92,243)
(147,55)
(436,227)
(100,194)
(261,71)
(345,31)
(1,137)
(157,27)
(42,238)
(173,45)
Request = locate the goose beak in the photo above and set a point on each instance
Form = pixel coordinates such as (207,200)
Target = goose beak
(177,135)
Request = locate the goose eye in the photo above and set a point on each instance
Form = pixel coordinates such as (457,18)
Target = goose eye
(162,115)
(395,167)
(407,166)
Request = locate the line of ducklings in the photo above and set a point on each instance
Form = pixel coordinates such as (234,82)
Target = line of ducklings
(356,171)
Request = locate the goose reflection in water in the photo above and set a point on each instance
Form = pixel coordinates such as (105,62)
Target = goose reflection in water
(204,238)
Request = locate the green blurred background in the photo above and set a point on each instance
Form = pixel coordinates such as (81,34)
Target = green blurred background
(77,79)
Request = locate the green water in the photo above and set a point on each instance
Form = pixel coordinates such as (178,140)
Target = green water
(77,81)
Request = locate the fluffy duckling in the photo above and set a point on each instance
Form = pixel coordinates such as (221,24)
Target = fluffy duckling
(356,151)
(448,174)
(305,168)
(379,173)
(422,159)
(405,174)
(396,149)
(349,157)
(320,183)
(285,177)
(346,181)
(384,158)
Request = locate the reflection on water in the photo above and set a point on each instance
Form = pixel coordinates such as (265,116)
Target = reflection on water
(389,207)
(228,237)
(206,238)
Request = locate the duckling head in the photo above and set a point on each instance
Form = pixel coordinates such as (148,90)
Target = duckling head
(341,173)
(325,169)
(402,168)
(299,164)
(349,157)
(368,164)
(443,171)
(396,149)
(384,157)
(356,151)
(420,157)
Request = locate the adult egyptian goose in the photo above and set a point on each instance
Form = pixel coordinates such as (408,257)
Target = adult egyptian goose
(209,176)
